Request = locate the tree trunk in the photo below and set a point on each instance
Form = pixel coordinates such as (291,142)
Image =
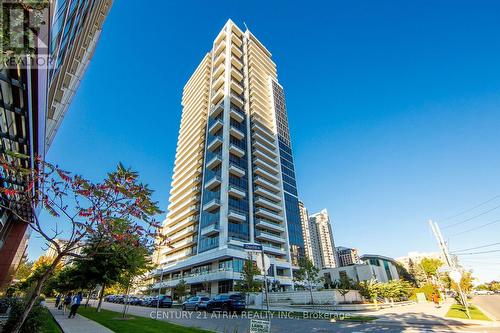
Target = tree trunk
(312,299)
(35,294)
(101,295)
(126,301)
(88,297)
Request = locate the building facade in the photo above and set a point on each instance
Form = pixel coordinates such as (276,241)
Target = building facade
(306,231)
(35,95)
(383,268)
(322,243)
(347,256)
(234,179)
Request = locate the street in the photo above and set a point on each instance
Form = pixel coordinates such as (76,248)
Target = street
(490,304)
(232,323)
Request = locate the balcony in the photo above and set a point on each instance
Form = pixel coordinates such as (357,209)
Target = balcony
(215,161)
(264,140)
(210,230)
(266,236)
(270,215)
(218,71)
(217,96)
(215,144)
(236,74)
(236,192)
(218,83)
(237,100)
(276,250)
(236,87)
(236,170)
(217,125)
(236,51)
(220,48)
(263,202)
(266,184)
(237,115)
(266,158)
(213,183)
(212,205)
(236,216)
(267,194)
(263,130)
(259,146)
(263,224)
(216,109)
(237,63)
(266,165)
(261,172)
(236,40)
(235,150)
(219,59)
(236,133)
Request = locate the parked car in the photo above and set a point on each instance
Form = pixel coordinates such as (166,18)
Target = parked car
(195,303)
(164,301)
(482,292)
(134,300)
(146,301)
(109,298)
(227,302)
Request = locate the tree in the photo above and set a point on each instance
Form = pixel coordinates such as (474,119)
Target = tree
(249,284)
(430,266)
(344,285)
(369,289)
(307,275)
(181,289)
(24,270)
(78,206)
(405,275)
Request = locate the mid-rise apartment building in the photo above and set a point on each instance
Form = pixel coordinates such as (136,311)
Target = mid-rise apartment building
(322,243)
(234,179)
(347,256)
(35,94)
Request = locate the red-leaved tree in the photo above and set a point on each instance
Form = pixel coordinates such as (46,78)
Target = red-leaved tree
(80,209)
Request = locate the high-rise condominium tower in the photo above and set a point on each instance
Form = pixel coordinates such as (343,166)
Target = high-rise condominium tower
(322,243)
(234,179)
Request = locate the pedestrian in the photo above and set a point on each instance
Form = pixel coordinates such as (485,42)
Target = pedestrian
(58,300)
(75,303)
(435,299)
(67,302)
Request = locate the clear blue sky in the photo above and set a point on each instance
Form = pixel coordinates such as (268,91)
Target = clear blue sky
(394,108)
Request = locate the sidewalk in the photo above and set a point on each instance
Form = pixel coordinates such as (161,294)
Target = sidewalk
(79,324)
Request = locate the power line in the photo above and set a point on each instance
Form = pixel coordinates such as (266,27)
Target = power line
(475,228)
(471,218)
(470,209)
(481,252)
(477,247)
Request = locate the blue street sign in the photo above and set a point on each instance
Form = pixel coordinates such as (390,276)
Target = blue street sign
(252,247)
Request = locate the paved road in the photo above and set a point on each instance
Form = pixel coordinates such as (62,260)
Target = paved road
(489,303)
(220,323)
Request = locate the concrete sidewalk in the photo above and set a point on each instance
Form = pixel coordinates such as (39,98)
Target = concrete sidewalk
(79,324)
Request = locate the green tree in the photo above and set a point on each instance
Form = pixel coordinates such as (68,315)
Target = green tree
(344,285)
(369,289)
(430,266)
(249,284)
(307,275)
(405,274)
(24,270)
(181,289)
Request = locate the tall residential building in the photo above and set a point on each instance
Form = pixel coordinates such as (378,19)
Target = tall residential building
(306,231)
(33,99)
(234,179)
(322,244)
(347,256)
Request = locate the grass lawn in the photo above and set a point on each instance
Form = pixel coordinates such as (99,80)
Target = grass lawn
(113,320)
(457,311)
(49,324)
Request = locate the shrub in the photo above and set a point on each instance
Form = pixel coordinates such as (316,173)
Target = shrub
(428,289)
(35,321)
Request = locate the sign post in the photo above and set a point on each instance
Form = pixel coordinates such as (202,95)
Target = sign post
(258,247)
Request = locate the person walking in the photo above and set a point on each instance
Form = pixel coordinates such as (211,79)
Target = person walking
(67,302)
(75,303)
(58,300)
(435,299)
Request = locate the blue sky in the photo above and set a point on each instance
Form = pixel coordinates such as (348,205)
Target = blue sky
(394,108)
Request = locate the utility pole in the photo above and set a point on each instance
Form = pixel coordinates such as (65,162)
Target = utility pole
(455,273)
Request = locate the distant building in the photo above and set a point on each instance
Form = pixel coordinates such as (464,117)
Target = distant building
(347,256)
(379,268)
(415,257)
(322,243)
(306,231)
(52,251)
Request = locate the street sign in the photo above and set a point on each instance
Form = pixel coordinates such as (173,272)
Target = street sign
(258,258)
(252,247)
(456,276)
(260,326)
